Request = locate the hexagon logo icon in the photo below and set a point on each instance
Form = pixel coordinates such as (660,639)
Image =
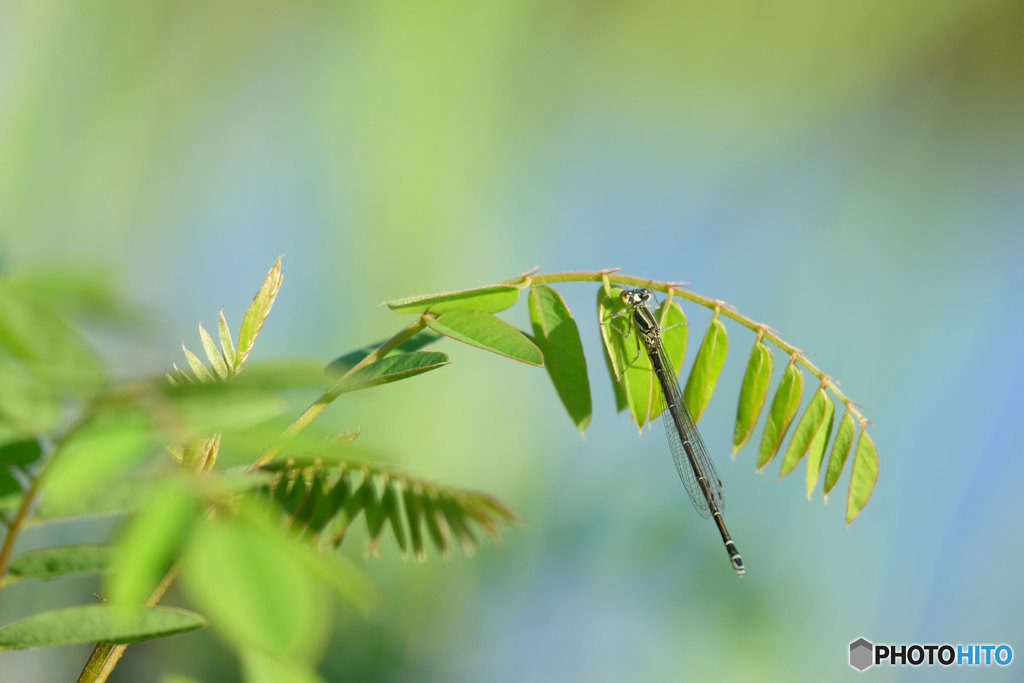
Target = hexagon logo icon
(861,654)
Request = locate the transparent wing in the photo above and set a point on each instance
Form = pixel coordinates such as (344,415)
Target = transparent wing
(688,450)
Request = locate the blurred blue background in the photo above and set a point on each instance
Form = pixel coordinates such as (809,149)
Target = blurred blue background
(849,174)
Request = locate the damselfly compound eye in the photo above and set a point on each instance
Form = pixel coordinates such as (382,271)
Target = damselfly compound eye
(635,297)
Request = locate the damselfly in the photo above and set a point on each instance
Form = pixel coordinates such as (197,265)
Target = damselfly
(688,450)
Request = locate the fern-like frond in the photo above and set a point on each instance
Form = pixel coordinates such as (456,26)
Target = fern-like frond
(322,500)
(225,363)
(228,360)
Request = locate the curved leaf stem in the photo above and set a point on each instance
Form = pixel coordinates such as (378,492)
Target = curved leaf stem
(716,305)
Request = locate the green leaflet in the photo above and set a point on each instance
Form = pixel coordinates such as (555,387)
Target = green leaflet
(20,453)
(198,369)
(342,364)
(283,486)
(674,332)
(483,330)
(199,456)
(436,524)
(61,560)
(482,515)
(557,336)
(226,344)
(213,354)
(257,312)
(495,507)
(329,505)
(863,474)
(816,450)
(374,514)
(390,369)
(360,500)
(391,497)
(780,415)
(621,403)
(706,368)
(315,490)
(840,451)
(151,543)
(455,517)
(807,428)
(753,393)
(414,516)
(93,623)
(629,366)
(491,299)
(636,385)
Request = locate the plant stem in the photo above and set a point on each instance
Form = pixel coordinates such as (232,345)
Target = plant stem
(105,656)
(15,525)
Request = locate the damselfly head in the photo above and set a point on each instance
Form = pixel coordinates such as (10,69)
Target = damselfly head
(636,297)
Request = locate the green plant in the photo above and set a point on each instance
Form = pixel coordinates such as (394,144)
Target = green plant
(74,443)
